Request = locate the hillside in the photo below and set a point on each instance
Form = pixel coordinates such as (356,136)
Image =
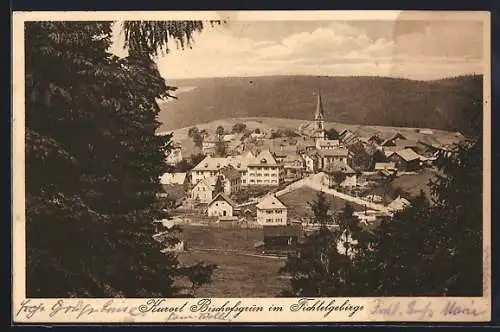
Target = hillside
(442,104)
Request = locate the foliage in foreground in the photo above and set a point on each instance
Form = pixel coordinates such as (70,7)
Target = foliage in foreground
(432,248)
(93,161)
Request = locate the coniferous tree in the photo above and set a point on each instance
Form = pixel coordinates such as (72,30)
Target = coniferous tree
(219,186)
(93,161)
(317,268)
(433,247)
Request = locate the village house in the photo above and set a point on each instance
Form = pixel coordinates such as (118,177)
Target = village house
(339,155)
(264,170)
(281,237)
(208,167)
(312,161)
(347,137)
(406,160)
(203,190)
(350,176)
(257,136)
(398,204)
(385,166)
(174,178)
(221,206)
(271,212)
(281,151)
(208,145)
(240,163)
(174,156)
(305,145)
(231,179)
(294,166)
(327,144)
(392,140)
(375,139)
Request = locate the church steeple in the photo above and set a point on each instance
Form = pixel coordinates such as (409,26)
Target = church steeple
(319,118)
(320,115)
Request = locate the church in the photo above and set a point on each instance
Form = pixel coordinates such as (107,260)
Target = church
(319,120)
(315,129)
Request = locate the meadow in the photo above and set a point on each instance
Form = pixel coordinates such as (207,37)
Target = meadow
(241,271)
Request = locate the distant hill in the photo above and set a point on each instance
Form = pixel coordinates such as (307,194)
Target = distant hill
(442,104)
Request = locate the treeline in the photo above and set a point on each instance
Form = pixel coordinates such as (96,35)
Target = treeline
(442,104)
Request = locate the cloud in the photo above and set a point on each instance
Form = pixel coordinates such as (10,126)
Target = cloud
(337,48)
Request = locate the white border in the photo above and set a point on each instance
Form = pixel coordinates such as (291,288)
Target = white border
(80,314)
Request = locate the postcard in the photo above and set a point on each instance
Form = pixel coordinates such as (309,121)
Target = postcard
(251,167)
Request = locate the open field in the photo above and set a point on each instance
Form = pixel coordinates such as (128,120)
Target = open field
(237,275)
(297,200)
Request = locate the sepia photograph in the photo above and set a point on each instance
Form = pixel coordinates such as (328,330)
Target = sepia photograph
(252,155)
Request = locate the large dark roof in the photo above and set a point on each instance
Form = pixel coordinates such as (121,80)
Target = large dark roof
(287,230)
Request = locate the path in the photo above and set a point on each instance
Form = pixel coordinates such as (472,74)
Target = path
(315,182)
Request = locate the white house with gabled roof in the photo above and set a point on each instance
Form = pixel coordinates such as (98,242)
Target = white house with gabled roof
(263,170)
(271,212)
(221,206)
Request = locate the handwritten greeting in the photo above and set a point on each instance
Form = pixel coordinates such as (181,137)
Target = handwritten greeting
(229,310)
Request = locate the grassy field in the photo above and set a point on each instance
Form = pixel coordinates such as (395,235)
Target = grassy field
(237,275)
(297,203)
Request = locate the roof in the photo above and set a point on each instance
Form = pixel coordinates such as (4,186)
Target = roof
(211,164)
(270,202)
(222,197)
(283,150)
(335,152)
(173,178)
(319,114)
(328,142)
(393,137)
(306,143)
(408,154)
(339,167)
(380,166)
(282,230)
(375,138)
(240,162)
(231,173)
(399,203)
(208,182)
(406,143)
(292,157)
(264,157)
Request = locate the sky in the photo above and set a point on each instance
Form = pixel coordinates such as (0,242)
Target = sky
(421,50)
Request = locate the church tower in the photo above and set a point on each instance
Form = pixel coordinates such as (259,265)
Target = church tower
(319,119)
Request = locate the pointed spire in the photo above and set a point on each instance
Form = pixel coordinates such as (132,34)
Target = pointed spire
(319,108)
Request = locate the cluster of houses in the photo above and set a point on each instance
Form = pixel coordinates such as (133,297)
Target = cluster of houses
(214,180)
